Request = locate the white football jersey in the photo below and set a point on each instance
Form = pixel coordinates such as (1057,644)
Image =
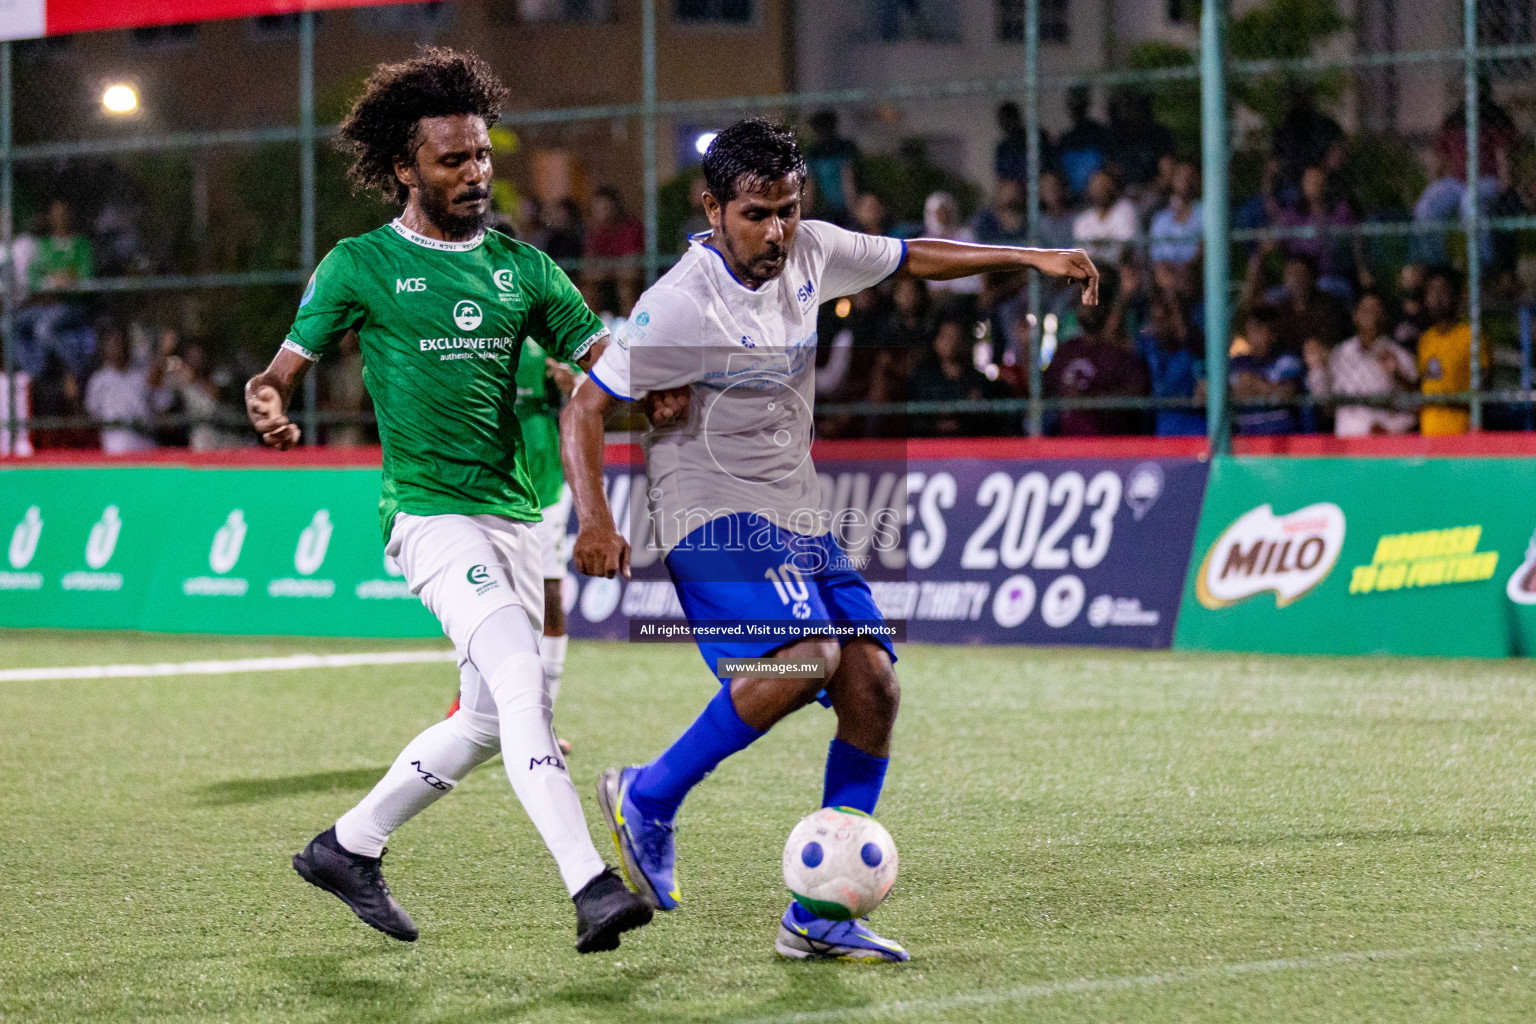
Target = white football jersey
(750,359)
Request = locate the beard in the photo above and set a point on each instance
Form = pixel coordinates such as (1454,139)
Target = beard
(439,208)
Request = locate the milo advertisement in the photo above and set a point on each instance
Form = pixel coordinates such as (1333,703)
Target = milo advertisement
(1365,556)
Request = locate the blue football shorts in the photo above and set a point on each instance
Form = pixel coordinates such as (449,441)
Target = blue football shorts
(745,570)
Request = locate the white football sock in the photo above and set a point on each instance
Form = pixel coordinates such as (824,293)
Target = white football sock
(552,653)
(428,767)
(505,651)
(537,771)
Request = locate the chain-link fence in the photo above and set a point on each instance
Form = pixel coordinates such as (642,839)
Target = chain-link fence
(1379,173)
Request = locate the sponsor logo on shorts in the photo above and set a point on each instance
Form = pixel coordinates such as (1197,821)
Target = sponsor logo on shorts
(480,577)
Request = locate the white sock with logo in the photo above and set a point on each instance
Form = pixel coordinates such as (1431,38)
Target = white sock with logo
(552,653)
(428,767)
(504,650)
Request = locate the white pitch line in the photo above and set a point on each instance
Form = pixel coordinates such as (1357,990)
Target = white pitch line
(1046,990)
(213,668)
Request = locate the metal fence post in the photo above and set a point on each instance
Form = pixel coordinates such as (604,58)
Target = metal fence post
(648,133)
(1218,244)
(1471,214)
(1036,424)
(7,227)
(307,194)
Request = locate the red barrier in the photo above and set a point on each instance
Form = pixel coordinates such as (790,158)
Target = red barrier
(1469,445)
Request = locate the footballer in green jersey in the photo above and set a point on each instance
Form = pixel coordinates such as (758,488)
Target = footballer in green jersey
(442,305)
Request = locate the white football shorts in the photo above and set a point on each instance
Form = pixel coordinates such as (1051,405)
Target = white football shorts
(466,567)
(554,543)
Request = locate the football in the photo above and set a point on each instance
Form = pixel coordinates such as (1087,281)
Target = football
(839,864)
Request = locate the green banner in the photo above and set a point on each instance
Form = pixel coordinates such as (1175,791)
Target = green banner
(1364,556)
(175,549)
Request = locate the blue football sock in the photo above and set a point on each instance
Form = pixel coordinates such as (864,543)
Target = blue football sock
(717,733)
(853,778)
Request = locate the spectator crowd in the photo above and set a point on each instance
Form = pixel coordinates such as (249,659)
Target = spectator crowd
(1322,338)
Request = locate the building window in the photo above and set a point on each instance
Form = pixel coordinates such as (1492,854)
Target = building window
(928,21)
(1055,21)
(279,26)
(561,10)
(164,35)
(729,12)
(1505,22)
(414,18)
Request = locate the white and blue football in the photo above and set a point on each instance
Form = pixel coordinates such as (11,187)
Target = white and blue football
(839,864)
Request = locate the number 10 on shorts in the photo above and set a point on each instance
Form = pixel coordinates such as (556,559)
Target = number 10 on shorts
(791,588)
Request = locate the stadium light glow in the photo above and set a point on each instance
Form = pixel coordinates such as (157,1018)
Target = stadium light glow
(701,144)
(120,99)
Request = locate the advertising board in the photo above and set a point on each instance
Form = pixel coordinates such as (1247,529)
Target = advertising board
(1365,556)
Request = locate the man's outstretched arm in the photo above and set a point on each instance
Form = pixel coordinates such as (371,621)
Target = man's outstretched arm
(267,395)
(600,549)
(938,259)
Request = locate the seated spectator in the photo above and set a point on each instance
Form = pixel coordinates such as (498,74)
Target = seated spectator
(831,161)
(1410,301)
(1261,373)
(1056,217)
(190,376)
(1176,228)
(1445,353)
(1139,142)
(948,374)
(1175,357)
(1007,219)
(56,393)
(1010,160)
(49,322)
(1305,135)
(906,323)
(563,230)
(1305,311)
(1083,149)
(613,235)
(1320,208)
(63,257)
(1260,209)
(1370,363)
(125,396)
(869,215)
(941,219)
(1107,227)
(1097,364)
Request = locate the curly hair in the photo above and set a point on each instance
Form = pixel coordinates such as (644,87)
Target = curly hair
(382,125)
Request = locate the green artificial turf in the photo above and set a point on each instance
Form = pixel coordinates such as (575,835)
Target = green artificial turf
(1084,836)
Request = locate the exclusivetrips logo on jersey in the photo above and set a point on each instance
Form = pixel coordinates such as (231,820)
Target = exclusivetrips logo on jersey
(467,315)
(1262,552)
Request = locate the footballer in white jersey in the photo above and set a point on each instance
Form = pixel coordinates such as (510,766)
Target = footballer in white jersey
(722,351)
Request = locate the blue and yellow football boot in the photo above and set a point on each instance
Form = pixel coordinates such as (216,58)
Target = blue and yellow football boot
(645,845)
(804,936)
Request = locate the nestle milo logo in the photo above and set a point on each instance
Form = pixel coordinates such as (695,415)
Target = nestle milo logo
(1262,552)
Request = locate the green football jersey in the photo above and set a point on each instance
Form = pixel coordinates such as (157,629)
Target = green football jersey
(441,325)
(538,410)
